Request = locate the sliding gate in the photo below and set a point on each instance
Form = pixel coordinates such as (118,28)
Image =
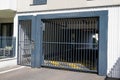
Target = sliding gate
(71,43)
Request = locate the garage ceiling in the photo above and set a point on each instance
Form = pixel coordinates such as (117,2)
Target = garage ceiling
(7,13)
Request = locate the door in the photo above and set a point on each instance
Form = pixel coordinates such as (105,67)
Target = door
(25,42)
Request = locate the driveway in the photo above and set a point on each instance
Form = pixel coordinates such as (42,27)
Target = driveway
(27,73)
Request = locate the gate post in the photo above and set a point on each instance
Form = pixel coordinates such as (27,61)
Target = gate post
(37,57)
(103,28)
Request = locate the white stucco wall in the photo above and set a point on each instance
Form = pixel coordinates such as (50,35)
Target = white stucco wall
(113,52)
(27,5)
(15,32)
(8,5)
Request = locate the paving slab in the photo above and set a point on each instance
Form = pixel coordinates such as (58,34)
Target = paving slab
(28,73)
(9,67)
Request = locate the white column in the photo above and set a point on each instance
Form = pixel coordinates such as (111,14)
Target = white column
(15,33)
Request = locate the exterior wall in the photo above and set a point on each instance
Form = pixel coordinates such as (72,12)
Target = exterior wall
(8,5)
(8,62)
(27,5)
(113,51)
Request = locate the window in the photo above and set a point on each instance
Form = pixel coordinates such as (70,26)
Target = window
(7,42)
(39,2)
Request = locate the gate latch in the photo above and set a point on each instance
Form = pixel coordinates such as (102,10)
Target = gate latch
(32,44)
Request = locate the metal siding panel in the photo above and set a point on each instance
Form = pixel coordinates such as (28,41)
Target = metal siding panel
(114,43)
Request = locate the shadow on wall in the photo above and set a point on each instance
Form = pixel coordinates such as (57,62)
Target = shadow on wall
(114,74)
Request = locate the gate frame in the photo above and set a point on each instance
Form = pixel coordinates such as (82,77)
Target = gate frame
(33,37)
(37,25)
(103,33)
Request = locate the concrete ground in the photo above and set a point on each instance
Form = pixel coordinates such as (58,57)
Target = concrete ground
(27,73)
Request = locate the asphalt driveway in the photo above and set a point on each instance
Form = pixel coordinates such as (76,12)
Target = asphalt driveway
(27,73)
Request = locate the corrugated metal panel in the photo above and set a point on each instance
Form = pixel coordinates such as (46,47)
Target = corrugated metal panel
(114,42)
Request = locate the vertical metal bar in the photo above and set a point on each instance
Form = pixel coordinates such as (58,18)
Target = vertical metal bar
(87,42)
(94,32)
(52,37)
(63,32)
(74,43)
(81,25)
(91,43)
(54,55)
(24,43)
(47,40)
(48,44)
(60,33)
(67,41)
(96,46)
(72,23)
(50,47)
(58,53)
(63,56)
(70,42)
(79,46)
(45,46)
(84,42)
(60,42)
(93,49)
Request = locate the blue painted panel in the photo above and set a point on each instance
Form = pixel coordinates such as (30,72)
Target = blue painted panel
(73,15)
(39,2)
(25,17)
(103,30)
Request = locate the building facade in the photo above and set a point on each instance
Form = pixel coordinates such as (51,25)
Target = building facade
(78,35)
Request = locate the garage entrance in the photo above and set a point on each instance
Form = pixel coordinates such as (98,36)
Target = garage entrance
(71,43)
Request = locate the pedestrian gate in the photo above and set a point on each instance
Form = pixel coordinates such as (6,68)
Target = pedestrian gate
(71,43)
(25,43)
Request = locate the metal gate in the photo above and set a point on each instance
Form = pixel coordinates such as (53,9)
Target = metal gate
(25,43)
(71,43)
